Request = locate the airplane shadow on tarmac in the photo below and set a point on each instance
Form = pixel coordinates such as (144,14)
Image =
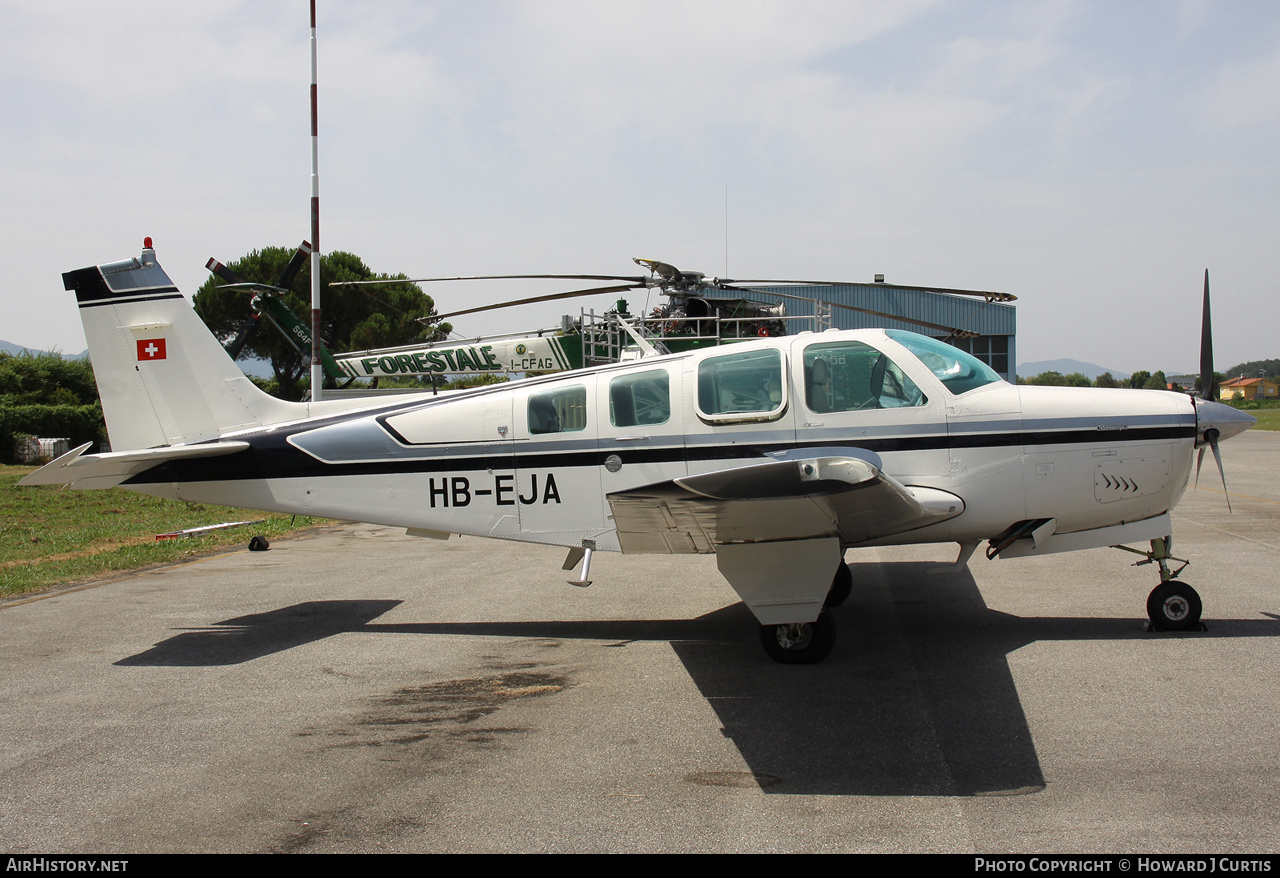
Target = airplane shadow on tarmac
(917,699)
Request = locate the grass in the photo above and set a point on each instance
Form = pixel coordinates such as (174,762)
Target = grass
(1266,411)
(1268,419)
(50,535)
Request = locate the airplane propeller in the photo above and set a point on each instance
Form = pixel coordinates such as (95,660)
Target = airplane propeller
(1214,420)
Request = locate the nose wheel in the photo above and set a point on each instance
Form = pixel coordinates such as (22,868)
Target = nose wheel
(1173,606)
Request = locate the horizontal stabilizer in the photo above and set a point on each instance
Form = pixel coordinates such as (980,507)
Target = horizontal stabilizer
(80,470)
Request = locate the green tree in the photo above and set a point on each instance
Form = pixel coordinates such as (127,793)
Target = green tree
(46,379)
(352,318)
(1106,379)
(1157,381)
(1139,380)
(1218,378)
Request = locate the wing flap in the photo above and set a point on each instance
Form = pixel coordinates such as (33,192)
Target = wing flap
(793,498)
(88,471)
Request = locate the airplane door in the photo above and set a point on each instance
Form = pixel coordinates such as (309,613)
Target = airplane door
(850,393)
(738,406)
(641,427)
(557,484)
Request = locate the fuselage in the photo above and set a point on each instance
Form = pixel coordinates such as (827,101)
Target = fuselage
(535,460)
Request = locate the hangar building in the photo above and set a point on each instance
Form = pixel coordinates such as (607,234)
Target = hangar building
(994,322)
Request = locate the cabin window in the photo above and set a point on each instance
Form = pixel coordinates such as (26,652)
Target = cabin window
(640,400)
(563,410)
(743,383)
(847,376)
(959,372)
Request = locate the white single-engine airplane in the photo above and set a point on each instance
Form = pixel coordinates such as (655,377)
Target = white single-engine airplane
(777,455)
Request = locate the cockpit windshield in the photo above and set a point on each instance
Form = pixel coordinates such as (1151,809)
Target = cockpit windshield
(959,372)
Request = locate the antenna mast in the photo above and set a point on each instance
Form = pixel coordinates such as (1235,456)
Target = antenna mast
(317,369)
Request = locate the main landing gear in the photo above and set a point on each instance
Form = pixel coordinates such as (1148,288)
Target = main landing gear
(800,643)
(1172,605)
(807,643)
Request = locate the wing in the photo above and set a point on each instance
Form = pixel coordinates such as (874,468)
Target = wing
(80,470)
(805,493)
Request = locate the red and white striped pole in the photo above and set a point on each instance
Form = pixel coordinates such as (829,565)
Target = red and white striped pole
(317,370)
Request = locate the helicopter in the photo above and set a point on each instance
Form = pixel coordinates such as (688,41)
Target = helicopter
(697,312)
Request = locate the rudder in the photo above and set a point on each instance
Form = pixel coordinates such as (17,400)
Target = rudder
(162,376)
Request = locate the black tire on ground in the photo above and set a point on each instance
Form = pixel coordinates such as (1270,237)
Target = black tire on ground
(1174,606)
(803,643)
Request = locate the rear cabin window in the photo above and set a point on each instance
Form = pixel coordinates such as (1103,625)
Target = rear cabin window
(640,400)
(848,376)
(746,383)
(563,410)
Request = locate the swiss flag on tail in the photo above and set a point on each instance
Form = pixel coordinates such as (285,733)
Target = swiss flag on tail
(151,349)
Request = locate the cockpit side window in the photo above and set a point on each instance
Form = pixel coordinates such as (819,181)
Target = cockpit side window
(563,410)
(958,371)
(846,376)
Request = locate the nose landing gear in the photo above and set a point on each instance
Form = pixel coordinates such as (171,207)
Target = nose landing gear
(1172,605)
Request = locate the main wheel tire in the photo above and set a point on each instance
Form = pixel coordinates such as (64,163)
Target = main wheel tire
(801,643)
(1174,606)
(841,586)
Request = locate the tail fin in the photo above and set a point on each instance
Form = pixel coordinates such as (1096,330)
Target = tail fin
(162,376)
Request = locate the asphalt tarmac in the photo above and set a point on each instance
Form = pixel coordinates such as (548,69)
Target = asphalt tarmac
(359,690)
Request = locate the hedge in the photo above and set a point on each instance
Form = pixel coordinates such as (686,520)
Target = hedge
(79,423)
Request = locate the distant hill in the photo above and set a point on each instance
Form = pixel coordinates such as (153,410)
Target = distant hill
(1067,367)
(252,366)
(16,349)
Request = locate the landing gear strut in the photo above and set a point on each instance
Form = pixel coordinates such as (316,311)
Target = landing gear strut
(1172,605)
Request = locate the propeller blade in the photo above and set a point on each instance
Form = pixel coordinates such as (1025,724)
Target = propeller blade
(529,301)
(298,260)
(1206,346)
(1217,456)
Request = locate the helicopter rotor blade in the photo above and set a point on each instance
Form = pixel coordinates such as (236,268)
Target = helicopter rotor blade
(988,295)
(298,260)
(634,281)
(246,331)
(225,273)
(236,281)
(950,330)
(530,301)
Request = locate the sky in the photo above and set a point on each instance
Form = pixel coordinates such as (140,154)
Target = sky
(1092,157)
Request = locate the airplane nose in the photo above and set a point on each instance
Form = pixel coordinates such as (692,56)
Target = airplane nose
(1224,419)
